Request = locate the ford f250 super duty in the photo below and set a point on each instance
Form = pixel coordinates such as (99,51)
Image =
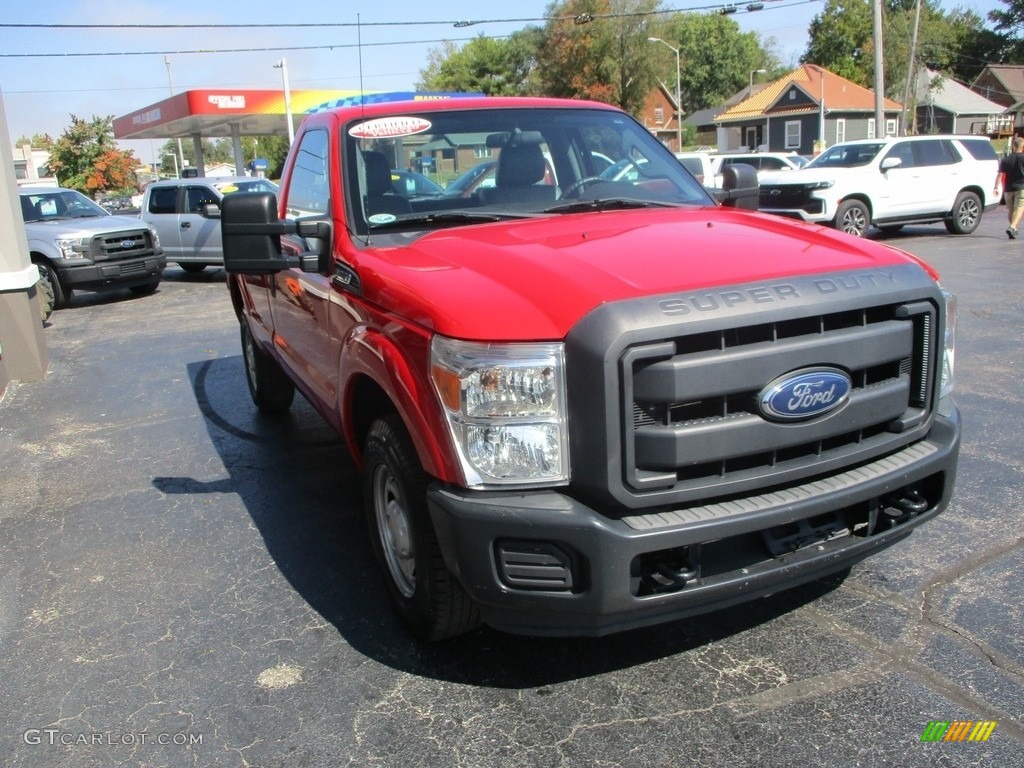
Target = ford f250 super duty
(583,405)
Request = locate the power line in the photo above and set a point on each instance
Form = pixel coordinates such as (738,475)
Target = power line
(729,8)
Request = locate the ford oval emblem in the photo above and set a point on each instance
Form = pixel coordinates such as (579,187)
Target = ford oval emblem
(126,244)
(805,394)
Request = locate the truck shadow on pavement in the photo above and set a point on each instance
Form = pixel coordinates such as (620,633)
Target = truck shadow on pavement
(299,485)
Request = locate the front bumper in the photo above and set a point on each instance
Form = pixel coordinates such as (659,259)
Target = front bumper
(124,273)
(543,563)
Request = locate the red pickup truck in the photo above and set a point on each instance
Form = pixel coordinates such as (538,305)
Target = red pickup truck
(583,401)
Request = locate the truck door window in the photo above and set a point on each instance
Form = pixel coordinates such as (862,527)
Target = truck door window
(308,193)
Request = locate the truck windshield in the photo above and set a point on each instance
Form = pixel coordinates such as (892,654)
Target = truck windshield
(506,162)
(51,205)
(846,156)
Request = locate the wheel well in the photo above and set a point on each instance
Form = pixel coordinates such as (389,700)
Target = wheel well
(37,257)
(373,403)
(861,199)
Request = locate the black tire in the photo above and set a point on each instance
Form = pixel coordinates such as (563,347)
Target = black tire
(44,290)
(192,269)
(272,391)
(966,214)
(853,218)
(429,600)
(145,289)
(49,286)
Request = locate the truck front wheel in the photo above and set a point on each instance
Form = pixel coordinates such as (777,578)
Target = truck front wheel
(51,293)
(429,600)
(272,391)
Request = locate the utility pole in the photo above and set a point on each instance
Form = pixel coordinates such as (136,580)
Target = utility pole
(879,70)
(910,115)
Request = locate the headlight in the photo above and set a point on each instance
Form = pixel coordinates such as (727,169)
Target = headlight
(948,345)
(505,405)
(820,185)
(156,239)
(73,247)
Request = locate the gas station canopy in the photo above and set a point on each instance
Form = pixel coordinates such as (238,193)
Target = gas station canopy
(213,113)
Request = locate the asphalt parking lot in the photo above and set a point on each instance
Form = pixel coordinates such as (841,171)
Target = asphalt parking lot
(185,583)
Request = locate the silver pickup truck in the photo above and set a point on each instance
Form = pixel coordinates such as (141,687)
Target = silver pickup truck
(178,209)
(77,244)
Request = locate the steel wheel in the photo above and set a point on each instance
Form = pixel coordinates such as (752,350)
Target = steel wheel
(271,389)
(394,529)
(429,600)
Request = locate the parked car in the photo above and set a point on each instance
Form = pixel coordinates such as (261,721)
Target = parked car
(699,164)
(888,183)
(464,185)
(189,230)
(761,161)
(76,244)
(413,184)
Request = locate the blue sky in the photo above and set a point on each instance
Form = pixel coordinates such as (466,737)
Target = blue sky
(394,37)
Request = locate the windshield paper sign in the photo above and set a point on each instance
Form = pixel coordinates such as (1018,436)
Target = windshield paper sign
(389,127)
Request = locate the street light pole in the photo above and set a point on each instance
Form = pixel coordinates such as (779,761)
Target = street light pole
(821,105)
(283,66)
(175,159)
(170,88)
(679,99)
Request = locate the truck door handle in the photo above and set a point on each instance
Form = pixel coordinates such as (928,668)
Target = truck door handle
(186,224)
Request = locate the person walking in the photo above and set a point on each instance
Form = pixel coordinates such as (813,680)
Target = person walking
(1011,174)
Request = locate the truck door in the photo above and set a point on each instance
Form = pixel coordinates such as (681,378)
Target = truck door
(200,236)
(300,300)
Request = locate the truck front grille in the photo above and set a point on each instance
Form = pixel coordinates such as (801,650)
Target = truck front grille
(693,404)
(678,383)
(121,245)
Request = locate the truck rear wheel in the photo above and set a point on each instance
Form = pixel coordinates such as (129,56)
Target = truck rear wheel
(272,391)
(429,600)
(966,214)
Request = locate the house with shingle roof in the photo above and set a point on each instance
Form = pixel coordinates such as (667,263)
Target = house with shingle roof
(793,113)
(946,106)
(1001,83)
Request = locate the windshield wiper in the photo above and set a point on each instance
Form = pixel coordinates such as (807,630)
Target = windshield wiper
(448,217)
(607,204)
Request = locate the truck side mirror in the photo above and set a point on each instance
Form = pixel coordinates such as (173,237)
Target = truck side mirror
(739,187)
(251,234)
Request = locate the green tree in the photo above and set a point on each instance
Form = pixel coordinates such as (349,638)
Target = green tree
(716,57)
(598,49)
(38,141)
(841,40)
(484,65)
(87,158)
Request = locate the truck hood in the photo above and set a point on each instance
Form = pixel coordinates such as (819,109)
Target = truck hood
(534,279)
(82,227)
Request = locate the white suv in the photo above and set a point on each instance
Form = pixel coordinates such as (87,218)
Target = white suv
(889,183)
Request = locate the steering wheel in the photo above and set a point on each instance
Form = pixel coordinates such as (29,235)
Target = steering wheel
(578,186)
